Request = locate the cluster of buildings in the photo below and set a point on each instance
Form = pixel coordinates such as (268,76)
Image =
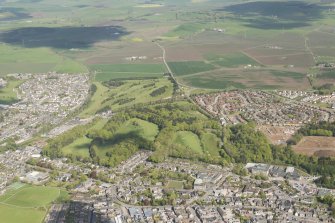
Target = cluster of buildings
(282,194)
(262,107)
(309,97)
(135,58)
(13,164)
(45,100)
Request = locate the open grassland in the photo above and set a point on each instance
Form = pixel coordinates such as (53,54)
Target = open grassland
(189,140)
(80,146)
(316,145)
(144,129)
(211,144)
(106,72)
(27,204)
(248,78)
(138,127)
(189,67)
(8,94)
(132,129)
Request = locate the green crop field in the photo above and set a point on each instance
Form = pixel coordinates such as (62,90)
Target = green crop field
(231,60)
(189,67)
(106,72)
(39,60)
(248,79)
(189,140)
(27,204)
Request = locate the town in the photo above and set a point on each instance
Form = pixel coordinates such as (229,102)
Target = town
(268,108)
(172,191)
(45,100)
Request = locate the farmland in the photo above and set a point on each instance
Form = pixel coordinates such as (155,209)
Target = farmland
(247,78)
(106,72)
(189,67)
(26,203)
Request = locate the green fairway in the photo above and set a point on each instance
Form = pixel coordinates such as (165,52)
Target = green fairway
(96,100)
(23,203)
(189,140)
(189,67)
(106,72)
(128,93)
(248,79)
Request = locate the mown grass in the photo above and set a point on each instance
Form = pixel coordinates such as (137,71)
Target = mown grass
(189,140)
(27,204)
(144,129)
(129,93)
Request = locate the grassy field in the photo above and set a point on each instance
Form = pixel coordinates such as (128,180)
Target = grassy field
(211,144)
(189,140)
(175,184)
(80,146)
(138,127)
(7,94)
(106,72)
(144,129)
(27,204)
(189,67)
(141,128)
